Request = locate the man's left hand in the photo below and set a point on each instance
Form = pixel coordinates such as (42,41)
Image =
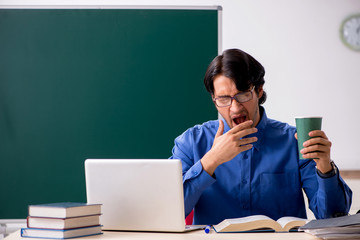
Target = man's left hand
(318,148)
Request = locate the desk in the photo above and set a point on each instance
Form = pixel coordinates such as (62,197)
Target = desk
(194,235)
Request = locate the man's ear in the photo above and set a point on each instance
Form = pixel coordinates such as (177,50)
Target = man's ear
(260,91)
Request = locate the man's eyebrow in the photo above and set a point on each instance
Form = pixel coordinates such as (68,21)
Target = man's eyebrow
(223,96)
(226,95)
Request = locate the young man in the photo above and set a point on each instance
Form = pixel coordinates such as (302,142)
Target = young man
(248,164)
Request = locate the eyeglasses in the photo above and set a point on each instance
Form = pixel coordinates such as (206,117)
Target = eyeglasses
(242,97)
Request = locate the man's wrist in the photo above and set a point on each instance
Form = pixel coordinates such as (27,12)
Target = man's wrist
(209,163)
(328,174)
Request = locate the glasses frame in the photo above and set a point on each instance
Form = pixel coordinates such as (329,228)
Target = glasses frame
(234,97)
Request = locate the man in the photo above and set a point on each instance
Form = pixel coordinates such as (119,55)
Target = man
(248,164)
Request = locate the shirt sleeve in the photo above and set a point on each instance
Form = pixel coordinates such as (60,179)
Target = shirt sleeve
(195,179)
(328,197)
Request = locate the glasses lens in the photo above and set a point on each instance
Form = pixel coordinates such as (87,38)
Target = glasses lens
(223,101)
(243,97)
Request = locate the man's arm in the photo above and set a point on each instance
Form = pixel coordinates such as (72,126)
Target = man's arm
(328,197)
(195,180)
(332,196)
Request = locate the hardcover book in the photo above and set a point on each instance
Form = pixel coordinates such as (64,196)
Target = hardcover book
(60,233)
(345,227)
(64,210)
(259,223)
(63,223)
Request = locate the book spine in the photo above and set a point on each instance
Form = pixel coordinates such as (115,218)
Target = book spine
(24,234)
(93,234)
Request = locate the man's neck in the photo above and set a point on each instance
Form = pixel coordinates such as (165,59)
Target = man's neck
(258,114)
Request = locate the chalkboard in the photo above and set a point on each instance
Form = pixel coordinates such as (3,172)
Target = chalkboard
(95,83)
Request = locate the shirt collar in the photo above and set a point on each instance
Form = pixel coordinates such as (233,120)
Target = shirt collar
(260,127)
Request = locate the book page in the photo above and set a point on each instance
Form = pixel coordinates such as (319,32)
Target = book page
(248,219)
(290,222)
(250,223)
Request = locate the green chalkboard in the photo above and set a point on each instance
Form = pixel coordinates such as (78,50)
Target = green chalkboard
(95,83)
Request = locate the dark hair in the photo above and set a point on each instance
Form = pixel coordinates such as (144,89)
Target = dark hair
(239,66)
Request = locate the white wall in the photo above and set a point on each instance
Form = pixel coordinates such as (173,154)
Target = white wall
(309,70)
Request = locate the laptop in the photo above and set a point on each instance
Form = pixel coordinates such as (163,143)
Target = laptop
(138,194)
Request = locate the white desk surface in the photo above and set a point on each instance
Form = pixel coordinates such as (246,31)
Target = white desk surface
(193,235)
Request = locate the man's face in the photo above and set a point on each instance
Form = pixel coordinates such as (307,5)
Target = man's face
(236,113)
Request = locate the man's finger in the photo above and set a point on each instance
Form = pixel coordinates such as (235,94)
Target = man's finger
(243,148)
(317,140)
(318,133)
(314,155)
(314,148)
(241,126)
(220,130)
(246,141)
(245,133)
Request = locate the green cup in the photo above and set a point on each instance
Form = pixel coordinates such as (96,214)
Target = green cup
(304,125)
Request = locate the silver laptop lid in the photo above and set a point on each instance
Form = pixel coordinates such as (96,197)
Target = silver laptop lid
(137,194)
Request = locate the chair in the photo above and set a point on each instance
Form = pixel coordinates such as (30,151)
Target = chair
(189,218)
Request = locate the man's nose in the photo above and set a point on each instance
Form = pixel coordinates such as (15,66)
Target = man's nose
(235,106)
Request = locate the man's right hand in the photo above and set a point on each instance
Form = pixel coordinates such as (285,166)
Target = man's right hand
(227,146)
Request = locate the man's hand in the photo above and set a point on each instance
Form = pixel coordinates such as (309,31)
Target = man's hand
(318,148)
(227,146)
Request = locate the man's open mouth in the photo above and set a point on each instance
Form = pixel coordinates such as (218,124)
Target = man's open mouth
(240,119)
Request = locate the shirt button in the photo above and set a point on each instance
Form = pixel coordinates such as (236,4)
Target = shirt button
(195,172)
(245,206)
(244,181)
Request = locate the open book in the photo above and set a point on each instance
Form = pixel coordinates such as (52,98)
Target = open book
(260,223)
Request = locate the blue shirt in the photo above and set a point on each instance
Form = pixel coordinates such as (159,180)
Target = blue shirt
(267,179)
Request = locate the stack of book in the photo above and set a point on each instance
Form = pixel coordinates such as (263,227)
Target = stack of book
(346,227)
(63,220)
